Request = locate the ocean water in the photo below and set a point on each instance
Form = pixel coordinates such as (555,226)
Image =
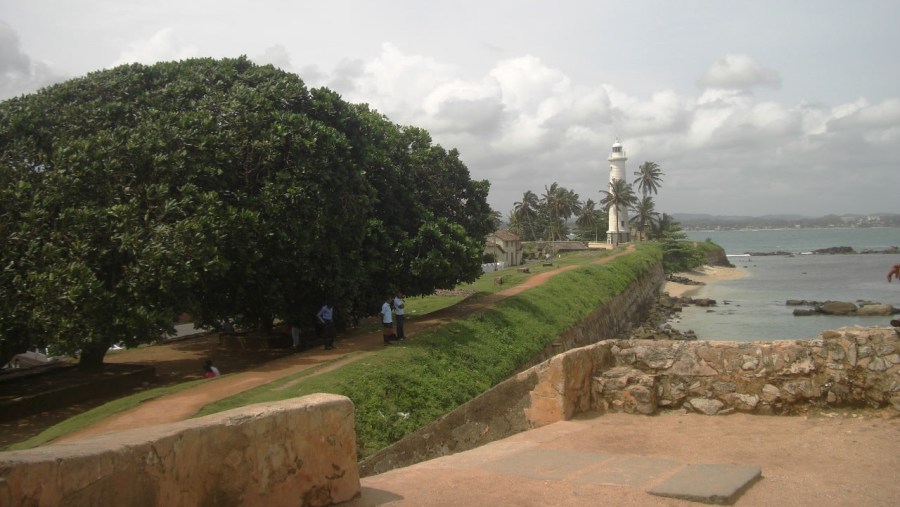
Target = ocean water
(753,307)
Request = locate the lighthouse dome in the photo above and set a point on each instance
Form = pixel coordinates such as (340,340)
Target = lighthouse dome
(617,151)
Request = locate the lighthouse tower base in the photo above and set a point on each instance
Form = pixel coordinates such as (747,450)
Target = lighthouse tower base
(614,238)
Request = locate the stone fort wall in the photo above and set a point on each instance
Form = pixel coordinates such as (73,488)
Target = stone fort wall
(294,452)
(848,367)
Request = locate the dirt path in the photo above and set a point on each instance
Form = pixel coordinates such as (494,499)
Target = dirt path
(184,404)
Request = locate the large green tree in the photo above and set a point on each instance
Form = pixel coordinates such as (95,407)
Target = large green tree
(678,253)
(218,187)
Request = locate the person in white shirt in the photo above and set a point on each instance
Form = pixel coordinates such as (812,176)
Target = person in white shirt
(387,321)
(210,371)
(399,312)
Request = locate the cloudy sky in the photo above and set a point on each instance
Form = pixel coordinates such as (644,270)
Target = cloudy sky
(749,108)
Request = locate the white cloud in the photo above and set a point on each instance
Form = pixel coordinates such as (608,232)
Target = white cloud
(276,56)
(18,72)
(533,112)
(739,72)
(525,124)
(164,45)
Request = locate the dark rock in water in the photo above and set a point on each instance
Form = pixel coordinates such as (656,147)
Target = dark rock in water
(682,280)
(875,309)
(888,250)
(801,302)
(763,254)
(837,308)
(835,250)
(863,308)
(704,302)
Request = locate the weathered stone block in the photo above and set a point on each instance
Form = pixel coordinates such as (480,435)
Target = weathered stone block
(705,406)
(770,393)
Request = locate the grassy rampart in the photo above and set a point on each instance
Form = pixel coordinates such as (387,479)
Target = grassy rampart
(403,388)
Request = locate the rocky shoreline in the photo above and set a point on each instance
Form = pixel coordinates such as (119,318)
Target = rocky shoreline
(657,325)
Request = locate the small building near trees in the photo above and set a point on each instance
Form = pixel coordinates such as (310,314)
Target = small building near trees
(505,247)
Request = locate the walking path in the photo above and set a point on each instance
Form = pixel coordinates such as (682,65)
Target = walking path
(351,347)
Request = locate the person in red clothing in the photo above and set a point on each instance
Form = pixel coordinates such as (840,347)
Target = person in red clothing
(894,272)
(210,371)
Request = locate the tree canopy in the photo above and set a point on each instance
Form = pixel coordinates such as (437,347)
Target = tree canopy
(221,188)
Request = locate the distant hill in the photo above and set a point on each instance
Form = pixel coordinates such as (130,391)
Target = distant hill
(695,221)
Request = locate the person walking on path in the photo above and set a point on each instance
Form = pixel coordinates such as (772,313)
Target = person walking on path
(387,321)
(326,318)
(399,313)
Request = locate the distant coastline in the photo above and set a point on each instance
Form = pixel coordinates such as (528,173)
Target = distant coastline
(786,228)
(707,222)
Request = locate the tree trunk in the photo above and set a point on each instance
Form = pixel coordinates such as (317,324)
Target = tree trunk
(91,358)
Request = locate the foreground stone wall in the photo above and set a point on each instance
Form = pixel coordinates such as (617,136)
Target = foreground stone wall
(847,367)
(295,452)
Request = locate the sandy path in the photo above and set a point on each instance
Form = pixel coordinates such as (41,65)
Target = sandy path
(185,404)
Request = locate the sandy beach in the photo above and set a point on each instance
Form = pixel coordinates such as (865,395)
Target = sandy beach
(705,274)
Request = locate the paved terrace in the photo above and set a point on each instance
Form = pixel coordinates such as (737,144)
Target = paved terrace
(835,459)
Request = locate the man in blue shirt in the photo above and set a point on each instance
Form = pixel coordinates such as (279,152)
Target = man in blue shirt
(326,317)
(387,321)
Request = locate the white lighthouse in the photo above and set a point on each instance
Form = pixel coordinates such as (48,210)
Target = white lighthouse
(618,215)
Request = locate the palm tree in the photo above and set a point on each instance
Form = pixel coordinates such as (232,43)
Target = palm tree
(648,178)
(667,226)
(551,202)
(561,203)
(645,215)
(526,211)
(619,196)
(496,219)
(589,218)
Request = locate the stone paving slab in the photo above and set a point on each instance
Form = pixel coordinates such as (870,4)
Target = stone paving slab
(633,471)
(714,484)
(546,464)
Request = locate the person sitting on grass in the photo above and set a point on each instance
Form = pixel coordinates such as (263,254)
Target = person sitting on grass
(210,371)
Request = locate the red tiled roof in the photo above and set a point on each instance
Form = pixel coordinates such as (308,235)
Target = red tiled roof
(506,235)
